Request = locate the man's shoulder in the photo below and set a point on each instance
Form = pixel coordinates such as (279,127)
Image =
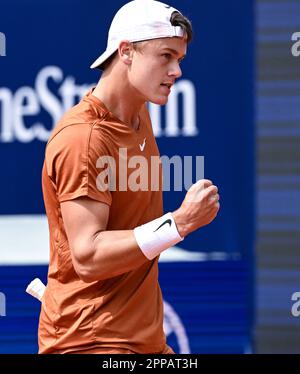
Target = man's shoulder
(77,123)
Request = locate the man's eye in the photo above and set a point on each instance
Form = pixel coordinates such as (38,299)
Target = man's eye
(167,55)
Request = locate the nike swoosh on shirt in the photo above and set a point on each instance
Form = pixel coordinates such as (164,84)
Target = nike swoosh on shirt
(167,221)
(142,146)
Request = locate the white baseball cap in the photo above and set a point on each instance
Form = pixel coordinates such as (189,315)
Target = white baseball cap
(136,21)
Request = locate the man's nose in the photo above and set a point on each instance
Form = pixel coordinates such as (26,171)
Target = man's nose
(175,71)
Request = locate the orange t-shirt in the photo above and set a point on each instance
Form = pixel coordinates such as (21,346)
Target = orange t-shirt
(124,311)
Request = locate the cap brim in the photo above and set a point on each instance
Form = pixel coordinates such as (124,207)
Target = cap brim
(101,59)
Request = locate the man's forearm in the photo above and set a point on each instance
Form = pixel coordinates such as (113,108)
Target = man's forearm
(117,252)
(113,253)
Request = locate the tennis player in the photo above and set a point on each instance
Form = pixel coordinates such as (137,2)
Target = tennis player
(103,294)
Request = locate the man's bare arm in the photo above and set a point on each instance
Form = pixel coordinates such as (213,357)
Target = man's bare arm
(99,254)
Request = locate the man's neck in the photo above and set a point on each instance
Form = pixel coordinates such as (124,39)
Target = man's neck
(119,98)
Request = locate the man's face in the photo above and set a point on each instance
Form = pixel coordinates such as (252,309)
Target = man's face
(155,67)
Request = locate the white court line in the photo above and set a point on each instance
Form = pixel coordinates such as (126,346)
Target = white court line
(24,240)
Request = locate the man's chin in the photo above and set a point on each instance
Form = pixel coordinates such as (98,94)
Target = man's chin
(160,101)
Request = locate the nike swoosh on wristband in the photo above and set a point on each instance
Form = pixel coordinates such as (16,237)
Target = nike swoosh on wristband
(167,221)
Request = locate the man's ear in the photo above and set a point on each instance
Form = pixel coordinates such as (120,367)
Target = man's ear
(125,51)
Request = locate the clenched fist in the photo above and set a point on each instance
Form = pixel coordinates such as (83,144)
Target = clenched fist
(199,207)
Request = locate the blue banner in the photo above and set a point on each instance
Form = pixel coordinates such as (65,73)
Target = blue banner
(46,49)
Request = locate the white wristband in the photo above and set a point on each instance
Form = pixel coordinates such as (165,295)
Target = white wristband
(157,235)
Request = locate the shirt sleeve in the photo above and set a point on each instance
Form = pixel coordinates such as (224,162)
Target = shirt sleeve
(72,162)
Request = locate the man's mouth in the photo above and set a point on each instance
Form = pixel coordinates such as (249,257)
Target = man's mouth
(167,84)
